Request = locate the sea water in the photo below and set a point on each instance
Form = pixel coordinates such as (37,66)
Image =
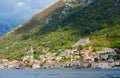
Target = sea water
(59,73)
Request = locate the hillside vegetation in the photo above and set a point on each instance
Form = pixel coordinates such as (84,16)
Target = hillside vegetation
(100,21)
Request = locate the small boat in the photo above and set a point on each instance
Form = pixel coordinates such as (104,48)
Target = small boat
(19,68)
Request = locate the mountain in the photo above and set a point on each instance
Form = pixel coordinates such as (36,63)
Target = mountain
(4,28)
(62,25)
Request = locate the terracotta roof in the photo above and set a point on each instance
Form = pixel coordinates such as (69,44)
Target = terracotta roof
(103,61)
(95,62)
(117,60)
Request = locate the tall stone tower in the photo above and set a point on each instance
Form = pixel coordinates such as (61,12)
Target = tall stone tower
(31,55)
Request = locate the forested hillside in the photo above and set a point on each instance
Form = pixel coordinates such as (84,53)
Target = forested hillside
(62,25)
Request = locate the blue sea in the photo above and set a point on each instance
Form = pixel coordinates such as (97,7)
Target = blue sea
(59,73)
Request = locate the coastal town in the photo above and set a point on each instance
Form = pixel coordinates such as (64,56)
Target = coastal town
(68,58)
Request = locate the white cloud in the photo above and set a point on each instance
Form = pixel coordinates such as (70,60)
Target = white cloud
(20,4)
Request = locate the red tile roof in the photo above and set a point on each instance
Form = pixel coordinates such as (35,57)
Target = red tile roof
(117,60)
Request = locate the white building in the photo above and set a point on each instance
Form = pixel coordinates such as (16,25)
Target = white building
(102,64)
(1,66)
(36,64)
(104,56)
(117,62)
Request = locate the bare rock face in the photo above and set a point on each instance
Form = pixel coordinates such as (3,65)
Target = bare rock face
(72,1)
(85,2)
(69,4)
(48,19)
(66,10)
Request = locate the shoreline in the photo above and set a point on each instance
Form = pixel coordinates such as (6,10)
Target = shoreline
(61,68)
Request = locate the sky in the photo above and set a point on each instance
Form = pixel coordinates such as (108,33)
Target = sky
(15,12)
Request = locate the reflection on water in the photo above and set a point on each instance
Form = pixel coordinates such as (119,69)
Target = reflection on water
(60,73)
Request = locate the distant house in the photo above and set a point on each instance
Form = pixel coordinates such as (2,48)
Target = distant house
(13,64)
(3,60)
(36,64)
(58,58)
(97,55)
(117,62)
(111,63)
(101,64)
(88,55)
(42,58)
(106,53)
(110,51)
(85,64)
(25,58)
(58,65)
(8,64)
(95,65)
(104,56)
(1,66)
